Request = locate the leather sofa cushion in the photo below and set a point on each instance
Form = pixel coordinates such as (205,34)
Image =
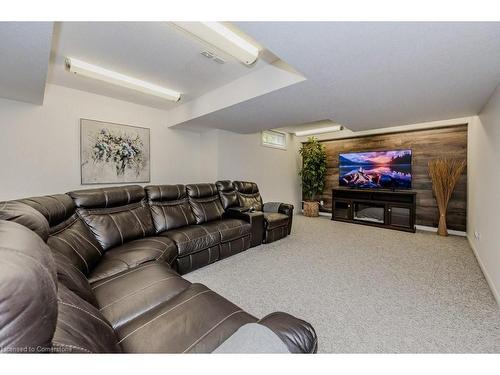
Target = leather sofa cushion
(205,202)
(115,215)
(195,321)
(81,328)
(246,187)
(230,229)
(73,279)
(248,194)
(227,194)
(160,193)
(250,201)
(235,246)
(28,307)
(201,190)
(132,254)
(197,260)
(108,197)
(67,234)
(25,215)
(169,207)
(56,208)
(193,238)
(73,239)
(273,220)
(171,215)
(129,294)
(118,225)
(275,234)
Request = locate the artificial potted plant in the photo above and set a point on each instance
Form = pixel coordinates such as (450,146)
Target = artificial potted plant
(313,173)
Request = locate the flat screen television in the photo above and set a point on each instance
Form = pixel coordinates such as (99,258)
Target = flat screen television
(376,169)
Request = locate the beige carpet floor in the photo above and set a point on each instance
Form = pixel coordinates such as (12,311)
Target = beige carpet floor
(366,290)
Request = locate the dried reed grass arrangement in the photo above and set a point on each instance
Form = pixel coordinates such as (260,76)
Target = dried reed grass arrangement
(444,174)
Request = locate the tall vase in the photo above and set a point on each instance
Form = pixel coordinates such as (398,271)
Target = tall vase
(442,230)
(444,174)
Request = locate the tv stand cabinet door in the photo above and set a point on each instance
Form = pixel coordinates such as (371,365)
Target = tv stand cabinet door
(342,209)
(400,216)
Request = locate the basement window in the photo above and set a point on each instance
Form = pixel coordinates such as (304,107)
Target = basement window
(271,138)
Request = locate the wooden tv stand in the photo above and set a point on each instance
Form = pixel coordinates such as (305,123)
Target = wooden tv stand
(380,208)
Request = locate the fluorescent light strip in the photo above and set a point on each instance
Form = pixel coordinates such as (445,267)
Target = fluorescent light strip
(327,129)
(79,67)
(223,38)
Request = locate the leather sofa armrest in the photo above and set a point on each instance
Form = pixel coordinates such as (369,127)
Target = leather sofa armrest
(238,209)
(282,208)
(253,338)
(286,209)
(255,218)
(298,335)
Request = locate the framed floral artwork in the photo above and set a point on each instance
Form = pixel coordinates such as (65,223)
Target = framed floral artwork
(113,153)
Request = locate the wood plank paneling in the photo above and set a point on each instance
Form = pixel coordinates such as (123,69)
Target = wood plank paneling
(429,144)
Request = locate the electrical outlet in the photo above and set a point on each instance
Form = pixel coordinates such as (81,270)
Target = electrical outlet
(477,235)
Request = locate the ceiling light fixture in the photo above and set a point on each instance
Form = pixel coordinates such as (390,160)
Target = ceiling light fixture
(79,67)
(327,129)
(223,38)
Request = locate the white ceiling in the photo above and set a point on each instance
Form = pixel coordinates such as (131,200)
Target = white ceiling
(24,58)
(361,75)
(152,51)
(326,123)
(371,75)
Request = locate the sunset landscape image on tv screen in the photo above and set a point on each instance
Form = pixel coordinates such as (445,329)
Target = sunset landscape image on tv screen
(376,169)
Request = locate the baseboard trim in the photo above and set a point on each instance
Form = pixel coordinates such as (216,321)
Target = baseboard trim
(326,214)
(433,229)
(420,227)
(493,289)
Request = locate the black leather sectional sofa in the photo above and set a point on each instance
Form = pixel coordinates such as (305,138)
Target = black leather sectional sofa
(98,271)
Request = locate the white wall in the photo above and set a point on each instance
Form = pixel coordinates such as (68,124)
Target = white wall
(40,145)
(483,198)
(242,157)
(209,151)
(40,148)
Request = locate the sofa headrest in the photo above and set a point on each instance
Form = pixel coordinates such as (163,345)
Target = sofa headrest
(23,214)
(225,186)
(108,197)
(160,193)
(246,187)
(227,194)
(28,296)
(55,208)
(201,190)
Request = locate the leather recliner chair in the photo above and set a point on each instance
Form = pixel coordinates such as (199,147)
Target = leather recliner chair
(277,216)
(230,203)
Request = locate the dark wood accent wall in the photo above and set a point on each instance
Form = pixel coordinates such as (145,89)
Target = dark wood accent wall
(429,144)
